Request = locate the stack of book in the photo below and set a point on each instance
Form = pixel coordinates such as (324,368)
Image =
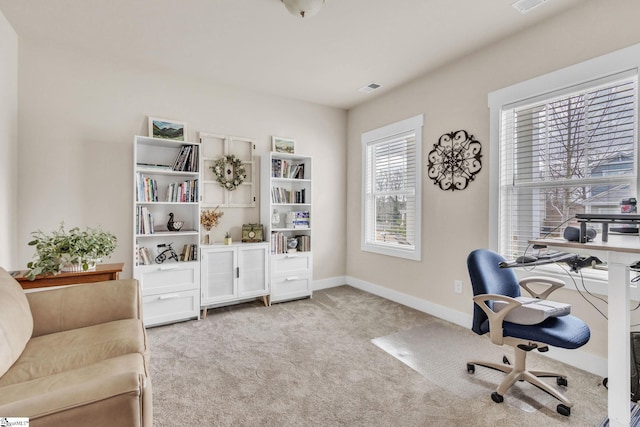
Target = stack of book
(187,159)
(298,219)
(144,220)
(145,257)
(189,253)
(146,189)
(281,168)
(304,243)
(186,191)
(282,195)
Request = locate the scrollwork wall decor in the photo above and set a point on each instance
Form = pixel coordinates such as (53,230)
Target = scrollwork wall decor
(454,160)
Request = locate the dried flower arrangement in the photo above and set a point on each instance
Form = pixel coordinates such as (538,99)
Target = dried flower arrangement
(210,218)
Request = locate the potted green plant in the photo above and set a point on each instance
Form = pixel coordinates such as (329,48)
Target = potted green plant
(227,238)
(69,250)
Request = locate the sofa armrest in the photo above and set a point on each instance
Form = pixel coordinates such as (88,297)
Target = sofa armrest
(109,400)
(73,307)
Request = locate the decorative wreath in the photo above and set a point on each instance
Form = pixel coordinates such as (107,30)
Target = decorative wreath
(455,160)
(229,171)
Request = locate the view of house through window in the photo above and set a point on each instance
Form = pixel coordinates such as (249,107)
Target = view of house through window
(391,196)
(567,153)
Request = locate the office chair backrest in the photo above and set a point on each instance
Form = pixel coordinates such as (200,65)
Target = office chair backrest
(488,278)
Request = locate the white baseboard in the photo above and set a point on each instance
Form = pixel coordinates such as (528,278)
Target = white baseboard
(331,282)
(580,359)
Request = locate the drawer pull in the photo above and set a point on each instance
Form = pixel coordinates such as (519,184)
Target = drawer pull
(169,267)
(291,256)
(288,279)
(168,296)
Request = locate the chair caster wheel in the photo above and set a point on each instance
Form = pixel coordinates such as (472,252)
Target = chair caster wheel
(471,368)
(563,410)
(499,399)
(561,381)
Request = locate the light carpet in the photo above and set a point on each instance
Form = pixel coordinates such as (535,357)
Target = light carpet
(312,363)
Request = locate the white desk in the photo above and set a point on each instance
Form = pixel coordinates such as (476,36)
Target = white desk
(619,252)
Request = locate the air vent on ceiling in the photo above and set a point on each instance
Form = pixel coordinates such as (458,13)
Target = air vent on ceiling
(524,6)
(370,87)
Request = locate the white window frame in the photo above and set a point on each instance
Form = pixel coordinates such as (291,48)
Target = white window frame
(617,62)
(413,126)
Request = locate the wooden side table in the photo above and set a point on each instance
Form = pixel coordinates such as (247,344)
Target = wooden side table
(101,273)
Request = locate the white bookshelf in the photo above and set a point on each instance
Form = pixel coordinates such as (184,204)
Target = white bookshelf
(286,188)
(170,289)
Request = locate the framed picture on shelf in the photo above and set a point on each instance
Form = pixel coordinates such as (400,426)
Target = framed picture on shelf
(283,145)
(167,129)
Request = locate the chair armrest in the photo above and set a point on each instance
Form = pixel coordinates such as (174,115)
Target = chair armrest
(550,281)
(78,306)
(496,319)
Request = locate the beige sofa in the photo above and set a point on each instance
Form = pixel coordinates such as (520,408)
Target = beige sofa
(74,356)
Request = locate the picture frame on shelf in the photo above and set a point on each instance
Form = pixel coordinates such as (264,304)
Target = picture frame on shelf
(167,129)
(283,145)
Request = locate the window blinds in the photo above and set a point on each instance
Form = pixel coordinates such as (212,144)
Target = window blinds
(565,153)
(390,187)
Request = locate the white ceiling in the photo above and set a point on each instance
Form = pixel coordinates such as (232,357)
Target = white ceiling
(258,45)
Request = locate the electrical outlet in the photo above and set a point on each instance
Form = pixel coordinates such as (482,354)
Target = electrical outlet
(457,286)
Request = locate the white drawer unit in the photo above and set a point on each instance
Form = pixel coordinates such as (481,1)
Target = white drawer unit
(291,276)
(170,292)
(171,307)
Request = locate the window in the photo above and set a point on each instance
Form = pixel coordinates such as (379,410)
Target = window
(571,150)
(392,199)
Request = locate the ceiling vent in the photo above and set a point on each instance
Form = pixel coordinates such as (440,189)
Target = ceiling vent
(370,87)
(524,6)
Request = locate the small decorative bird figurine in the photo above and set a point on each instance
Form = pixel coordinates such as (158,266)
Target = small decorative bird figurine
(170,223)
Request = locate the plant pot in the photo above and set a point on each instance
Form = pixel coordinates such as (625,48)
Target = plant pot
(227,240)
(76,268)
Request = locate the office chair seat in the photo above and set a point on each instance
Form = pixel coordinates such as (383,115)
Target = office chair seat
(563,332)
(491,283)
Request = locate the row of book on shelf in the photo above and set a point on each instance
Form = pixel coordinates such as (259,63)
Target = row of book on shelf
(281,168)
(147,190)
(282,195)
(279,243)
(186,161)
(144,220)
(145,257)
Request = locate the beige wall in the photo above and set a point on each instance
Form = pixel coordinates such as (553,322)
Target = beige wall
(8,143)
(78,114)
(455,97)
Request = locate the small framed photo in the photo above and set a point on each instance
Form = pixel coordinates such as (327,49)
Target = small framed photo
(283,145)
(167,129)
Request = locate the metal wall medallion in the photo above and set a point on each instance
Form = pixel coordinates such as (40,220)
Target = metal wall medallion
(454,160)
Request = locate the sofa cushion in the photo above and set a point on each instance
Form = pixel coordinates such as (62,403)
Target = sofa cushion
(63,351)
(16,322)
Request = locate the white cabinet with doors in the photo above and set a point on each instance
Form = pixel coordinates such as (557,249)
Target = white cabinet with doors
(233,273)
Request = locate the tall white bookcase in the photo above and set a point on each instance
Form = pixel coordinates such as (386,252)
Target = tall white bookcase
(166,180)
(286,192)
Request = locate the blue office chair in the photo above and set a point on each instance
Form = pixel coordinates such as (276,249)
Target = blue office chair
(492,283)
